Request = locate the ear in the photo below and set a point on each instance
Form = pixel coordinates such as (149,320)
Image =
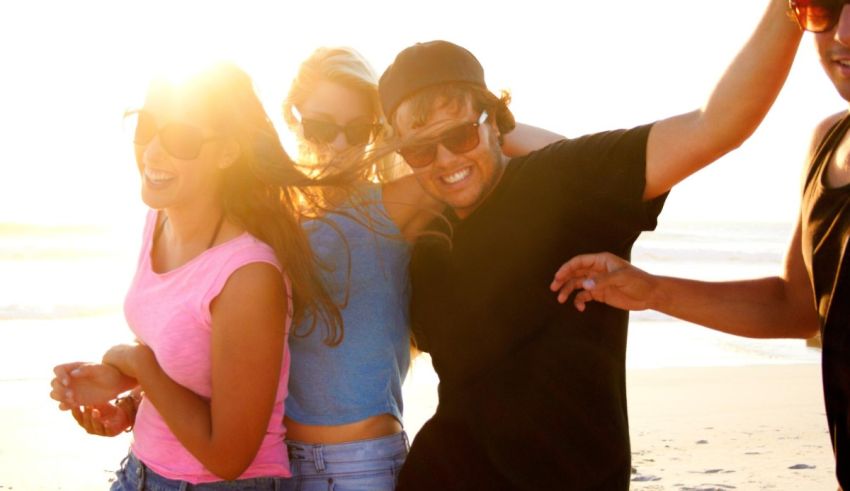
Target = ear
(232,152)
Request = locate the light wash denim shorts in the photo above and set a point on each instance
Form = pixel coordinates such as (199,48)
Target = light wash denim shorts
(136,476)
(363,465)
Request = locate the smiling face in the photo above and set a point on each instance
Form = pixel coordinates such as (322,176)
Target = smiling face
(462,181)
(170,181)
(834,50)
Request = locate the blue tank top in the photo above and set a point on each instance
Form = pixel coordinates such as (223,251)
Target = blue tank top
(362,376)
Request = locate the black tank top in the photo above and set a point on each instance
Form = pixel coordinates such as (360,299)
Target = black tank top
(826,230)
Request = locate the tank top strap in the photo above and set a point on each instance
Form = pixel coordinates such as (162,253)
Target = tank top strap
(827,146)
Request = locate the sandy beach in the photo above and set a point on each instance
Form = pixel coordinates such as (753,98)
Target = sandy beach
(702,428)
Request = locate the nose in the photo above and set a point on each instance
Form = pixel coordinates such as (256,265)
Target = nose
(444,158)
(340,142)
(842,30)
(153,151)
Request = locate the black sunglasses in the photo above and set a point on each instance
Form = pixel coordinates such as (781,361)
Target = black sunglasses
(181,141)
(460,139)
(325,132)
(817,15)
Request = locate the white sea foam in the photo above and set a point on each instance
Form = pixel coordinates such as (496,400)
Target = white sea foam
(73,275)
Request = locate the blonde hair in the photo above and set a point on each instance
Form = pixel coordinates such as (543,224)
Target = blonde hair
(347,67)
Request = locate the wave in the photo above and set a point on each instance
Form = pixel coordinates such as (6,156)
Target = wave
(41,312)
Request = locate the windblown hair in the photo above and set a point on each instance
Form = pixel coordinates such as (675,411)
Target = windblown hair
(346,67)
(425,101)
(259,191)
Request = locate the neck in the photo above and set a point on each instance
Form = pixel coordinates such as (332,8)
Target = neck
(192,224)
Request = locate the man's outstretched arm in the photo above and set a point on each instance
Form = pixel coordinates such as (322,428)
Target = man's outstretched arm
(773,307)
(683,144)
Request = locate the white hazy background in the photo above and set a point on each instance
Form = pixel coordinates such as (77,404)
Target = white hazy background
(69,69)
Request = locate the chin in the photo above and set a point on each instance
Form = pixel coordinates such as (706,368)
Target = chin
(154,200)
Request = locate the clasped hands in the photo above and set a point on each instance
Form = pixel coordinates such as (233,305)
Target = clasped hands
(89,389)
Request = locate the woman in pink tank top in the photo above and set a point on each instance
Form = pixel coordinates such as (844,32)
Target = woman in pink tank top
(223,270)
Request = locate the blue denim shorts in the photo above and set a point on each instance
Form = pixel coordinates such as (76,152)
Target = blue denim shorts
(363,465)
(136,476)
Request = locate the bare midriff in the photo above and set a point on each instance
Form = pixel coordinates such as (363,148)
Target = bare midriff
(372,427)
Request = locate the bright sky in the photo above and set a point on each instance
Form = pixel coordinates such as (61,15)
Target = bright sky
(71,68)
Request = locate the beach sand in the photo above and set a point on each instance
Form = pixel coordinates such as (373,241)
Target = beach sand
(743,428)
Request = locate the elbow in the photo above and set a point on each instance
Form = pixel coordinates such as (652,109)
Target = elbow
(229,465)
(229,470)
(804,326)
(810,330)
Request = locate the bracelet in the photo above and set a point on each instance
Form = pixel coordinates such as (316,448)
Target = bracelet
(133,402)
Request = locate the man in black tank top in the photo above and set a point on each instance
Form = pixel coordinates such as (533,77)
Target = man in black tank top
(812,295)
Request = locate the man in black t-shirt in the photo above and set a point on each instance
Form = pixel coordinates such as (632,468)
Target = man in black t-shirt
(532,393)
(813,292)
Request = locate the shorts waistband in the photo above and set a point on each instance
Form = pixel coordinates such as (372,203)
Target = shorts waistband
(142,477)
(371,449)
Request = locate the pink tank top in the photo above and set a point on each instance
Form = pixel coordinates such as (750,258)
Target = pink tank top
(170,313)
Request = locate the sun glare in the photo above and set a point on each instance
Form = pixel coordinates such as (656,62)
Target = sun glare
(66,109)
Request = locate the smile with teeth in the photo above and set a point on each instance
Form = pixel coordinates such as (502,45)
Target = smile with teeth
(158,176)
(456,177)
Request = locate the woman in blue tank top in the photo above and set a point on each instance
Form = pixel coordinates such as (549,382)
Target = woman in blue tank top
(344,410)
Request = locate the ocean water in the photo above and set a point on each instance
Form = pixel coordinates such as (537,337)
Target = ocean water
(61,291)
(709,251)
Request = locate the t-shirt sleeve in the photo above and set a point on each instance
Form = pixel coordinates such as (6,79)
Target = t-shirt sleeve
(252,251)
(603,175)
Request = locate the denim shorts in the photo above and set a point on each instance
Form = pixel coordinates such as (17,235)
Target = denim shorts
(363,465)
(136,476)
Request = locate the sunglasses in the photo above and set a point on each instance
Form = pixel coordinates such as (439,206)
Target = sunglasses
(324,133)
(460,139)
(181,141)
(817,15)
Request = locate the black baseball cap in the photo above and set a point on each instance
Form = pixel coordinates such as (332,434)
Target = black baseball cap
(423,65)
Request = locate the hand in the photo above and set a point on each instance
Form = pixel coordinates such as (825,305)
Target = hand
(604,278)
(129,359)
(102,419)
(77,384)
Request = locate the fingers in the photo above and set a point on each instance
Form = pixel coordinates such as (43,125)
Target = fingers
(88,370)
(581,300)
(61,393)
(101,420)
(567,287)
(78,415)
(64,368)
(584,266)
(97,426)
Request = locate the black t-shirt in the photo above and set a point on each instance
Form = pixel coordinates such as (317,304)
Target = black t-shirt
(825,215)
(532,392)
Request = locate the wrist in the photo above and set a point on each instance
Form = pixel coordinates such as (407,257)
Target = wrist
(141,361)
(129,404)
(658,296)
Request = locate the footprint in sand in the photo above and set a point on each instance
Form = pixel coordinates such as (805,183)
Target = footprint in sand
(708,487)
(643,478)
(802,466)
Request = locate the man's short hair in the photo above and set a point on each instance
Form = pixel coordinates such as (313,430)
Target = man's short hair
(441,71)
(425,65)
